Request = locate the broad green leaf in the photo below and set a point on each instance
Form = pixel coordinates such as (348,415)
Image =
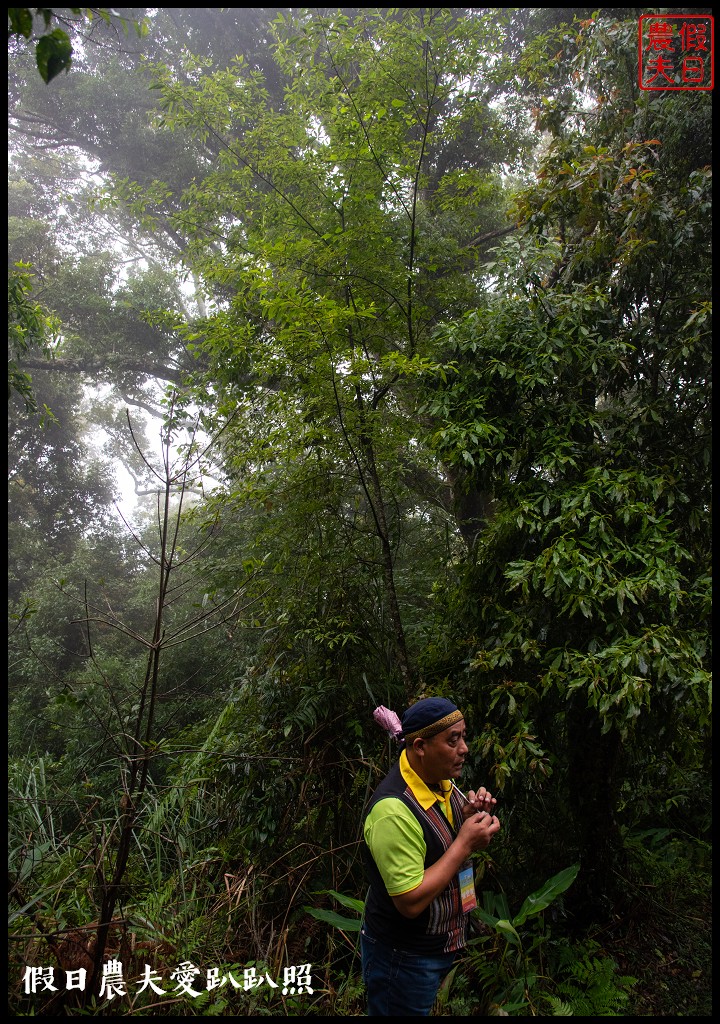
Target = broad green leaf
(346,924)
(53,54)
(544,896)
(505,928)
(347,901)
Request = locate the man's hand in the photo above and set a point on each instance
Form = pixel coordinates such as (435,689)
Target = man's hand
(477,831)
(483,800)
(475,834)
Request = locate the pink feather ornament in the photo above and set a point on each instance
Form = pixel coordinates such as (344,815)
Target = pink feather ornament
(388,720)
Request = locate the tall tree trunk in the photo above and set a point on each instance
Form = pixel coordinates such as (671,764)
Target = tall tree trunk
(592,772)
(393,605)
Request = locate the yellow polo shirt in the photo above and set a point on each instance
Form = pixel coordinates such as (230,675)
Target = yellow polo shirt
(395,837)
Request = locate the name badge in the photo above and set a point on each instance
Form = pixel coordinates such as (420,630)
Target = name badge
(466,877)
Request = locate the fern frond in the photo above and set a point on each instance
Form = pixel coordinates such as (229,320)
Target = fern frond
(559,1008)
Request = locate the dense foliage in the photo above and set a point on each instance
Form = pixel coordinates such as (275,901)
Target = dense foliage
(428,294)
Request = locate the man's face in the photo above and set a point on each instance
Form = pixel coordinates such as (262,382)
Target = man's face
(442,756)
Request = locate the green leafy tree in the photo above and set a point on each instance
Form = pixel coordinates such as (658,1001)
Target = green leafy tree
(111,282)
(582,386)
(30,330)
(116,689)
(56,490)
(336,214)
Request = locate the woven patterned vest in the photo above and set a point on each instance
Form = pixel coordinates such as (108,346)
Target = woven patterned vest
(440,928)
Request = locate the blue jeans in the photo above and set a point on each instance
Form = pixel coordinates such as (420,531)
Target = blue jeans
(400,984)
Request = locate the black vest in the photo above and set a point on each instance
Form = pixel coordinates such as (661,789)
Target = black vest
(440,928)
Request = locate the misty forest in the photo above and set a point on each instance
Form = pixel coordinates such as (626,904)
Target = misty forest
(355,355)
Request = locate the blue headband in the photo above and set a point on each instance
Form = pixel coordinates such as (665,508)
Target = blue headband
(428,717)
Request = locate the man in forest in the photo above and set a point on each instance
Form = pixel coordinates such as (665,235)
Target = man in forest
(419,834)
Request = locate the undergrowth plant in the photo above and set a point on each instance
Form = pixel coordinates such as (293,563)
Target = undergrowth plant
(586,982)
(523,971)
